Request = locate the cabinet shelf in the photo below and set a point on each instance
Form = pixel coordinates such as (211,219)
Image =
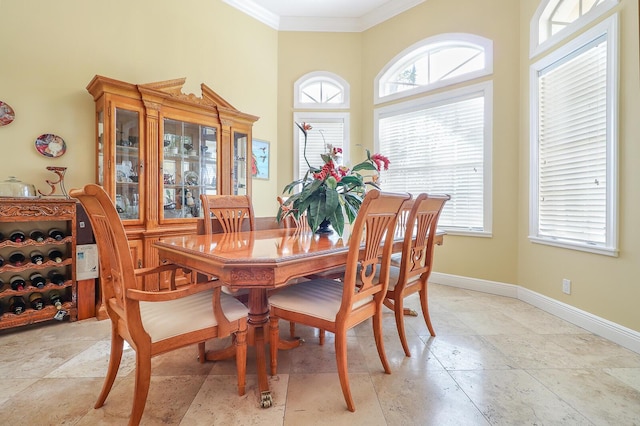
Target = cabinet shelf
(32,266)
(9,292)
(31,316)
(33,243)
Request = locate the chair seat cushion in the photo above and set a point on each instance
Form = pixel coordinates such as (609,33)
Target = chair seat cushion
(396,259)
(320,298)
(163,320)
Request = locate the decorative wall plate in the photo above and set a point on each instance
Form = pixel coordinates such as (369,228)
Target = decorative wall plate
(51,145)
(7,115)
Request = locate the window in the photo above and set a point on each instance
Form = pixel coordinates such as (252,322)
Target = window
(317,92)
(442,144)
(557,19)
(327,128)
(321,89)
(435,62)
(574,144)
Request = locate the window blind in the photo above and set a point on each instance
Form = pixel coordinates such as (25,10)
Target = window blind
(323,132)
(572,146)
(439,149)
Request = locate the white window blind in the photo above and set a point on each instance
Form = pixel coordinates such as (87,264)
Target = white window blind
(572,146)
(439,148)
(323,132)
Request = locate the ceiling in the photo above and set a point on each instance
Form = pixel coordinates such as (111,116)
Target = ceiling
(323,15)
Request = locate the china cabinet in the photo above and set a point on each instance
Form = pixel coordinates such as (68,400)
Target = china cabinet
(158,149)
(37,260)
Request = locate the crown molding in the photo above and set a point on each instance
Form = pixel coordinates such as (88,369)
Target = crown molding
(324,24)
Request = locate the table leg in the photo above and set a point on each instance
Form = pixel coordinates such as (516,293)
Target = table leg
(258,319)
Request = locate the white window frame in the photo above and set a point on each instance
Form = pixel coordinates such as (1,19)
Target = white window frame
(298,141)
(321,76)
(543,12)
(440,40)
(430,101)
(609,27)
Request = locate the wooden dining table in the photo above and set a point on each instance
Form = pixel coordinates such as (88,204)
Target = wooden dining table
(259,261)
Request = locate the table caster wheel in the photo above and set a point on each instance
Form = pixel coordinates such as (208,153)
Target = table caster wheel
(265,400)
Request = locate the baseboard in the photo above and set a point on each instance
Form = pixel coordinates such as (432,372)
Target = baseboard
(617,333)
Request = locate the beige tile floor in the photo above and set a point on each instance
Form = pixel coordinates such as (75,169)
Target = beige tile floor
(495,360)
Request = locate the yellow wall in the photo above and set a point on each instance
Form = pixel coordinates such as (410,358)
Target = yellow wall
(605,286)
(51,50)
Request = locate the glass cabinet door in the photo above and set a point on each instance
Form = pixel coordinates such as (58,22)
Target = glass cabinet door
(189,167)
(127,163)
(239,176)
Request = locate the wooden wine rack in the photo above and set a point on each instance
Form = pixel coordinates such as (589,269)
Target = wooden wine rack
(26,215)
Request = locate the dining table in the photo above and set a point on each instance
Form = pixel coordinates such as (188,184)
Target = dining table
(258,261)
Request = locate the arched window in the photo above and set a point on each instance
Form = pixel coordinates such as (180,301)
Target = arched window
(321,89)
(435,62)
(440,142)
(320,99)
(554,20)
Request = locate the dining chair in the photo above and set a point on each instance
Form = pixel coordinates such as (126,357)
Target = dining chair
(416,260)
(339,306)
(233,212)
(154,322)
(299,224)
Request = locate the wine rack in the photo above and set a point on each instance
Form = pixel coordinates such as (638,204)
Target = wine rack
(27,215)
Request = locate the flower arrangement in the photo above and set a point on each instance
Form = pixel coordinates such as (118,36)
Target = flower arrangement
(330,193)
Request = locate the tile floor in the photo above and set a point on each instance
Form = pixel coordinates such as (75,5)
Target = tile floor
(495,360)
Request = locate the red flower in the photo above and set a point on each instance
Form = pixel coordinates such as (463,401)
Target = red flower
(380,161)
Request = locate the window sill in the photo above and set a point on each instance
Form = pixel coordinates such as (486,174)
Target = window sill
(589,248)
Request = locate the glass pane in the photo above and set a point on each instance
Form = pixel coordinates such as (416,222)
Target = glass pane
(101,148)
(239,163)
(127,162)
(189,167)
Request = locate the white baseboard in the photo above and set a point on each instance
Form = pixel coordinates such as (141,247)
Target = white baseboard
(617,333)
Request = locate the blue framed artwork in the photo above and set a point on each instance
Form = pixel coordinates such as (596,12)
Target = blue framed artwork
(260,159)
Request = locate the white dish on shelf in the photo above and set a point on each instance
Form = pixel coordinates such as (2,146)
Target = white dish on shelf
(191,178)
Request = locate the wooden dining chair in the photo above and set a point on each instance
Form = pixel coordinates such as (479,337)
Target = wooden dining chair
(337,307)
(231,211)
(412,274)
(154,322)
(234,213)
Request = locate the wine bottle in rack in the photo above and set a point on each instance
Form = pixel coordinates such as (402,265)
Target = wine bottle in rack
(55,298)
(36,301)
(1,239)
(37,280)
(55,255)
(36,257)
(17,258)
(17,305)
(1,260)
(17,283)
(56,234)
(17,237)
(56,277)
(2,286)
(37,235)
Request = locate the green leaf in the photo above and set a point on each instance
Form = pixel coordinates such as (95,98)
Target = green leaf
(365,165)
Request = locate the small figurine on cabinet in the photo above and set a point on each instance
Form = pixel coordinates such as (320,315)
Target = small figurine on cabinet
(189,201)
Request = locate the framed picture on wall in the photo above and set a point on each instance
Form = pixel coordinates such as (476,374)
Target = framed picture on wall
(260,159)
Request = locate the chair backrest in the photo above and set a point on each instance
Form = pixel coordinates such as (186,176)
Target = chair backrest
(420,234)
(291,221)
(375,224)
(116,263)
(230,210)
